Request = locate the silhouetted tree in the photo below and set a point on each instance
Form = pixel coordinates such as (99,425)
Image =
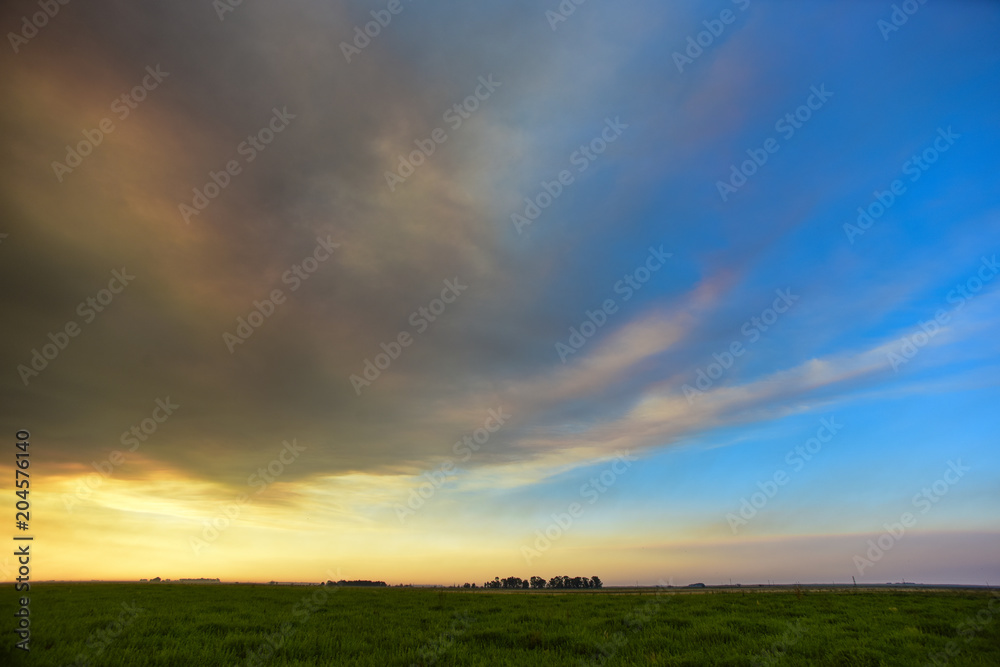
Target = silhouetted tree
(535,582)
(360,582)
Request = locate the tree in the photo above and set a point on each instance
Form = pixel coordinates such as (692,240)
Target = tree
(360,582)
(535,582)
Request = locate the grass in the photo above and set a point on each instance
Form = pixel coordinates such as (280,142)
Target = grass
(177,624)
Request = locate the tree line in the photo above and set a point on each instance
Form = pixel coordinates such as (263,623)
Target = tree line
(356,582)
(539,583)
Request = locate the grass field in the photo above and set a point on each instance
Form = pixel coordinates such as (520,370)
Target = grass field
(177,624)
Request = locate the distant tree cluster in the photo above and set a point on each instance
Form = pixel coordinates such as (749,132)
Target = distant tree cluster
(539,582)
(356,582)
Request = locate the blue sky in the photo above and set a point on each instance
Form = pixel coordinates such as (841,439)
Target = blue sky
(831,349)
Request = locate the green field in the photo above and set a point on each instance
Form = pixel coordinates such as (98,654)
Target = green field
(177,624)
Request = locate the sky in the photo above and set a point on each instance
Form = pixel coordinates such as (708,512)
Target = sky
(435,292)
